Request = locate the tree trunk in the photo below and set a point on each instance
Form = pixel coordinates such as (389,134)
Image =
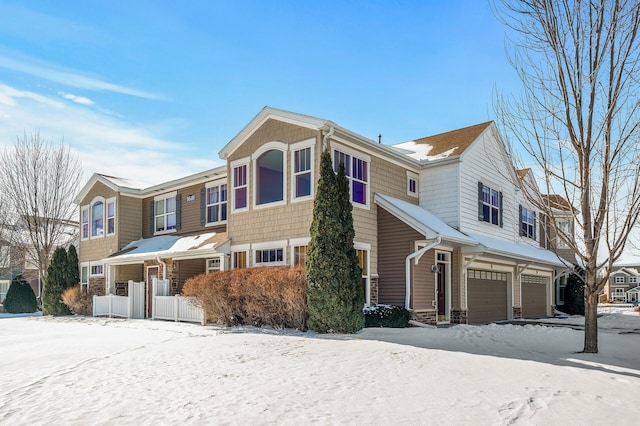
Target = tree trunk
(590,321)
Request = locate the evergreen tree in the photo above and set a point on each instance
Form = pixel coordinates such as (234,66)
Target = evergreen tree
(20,297)
(73,270)
(574,293)
(55,285)
(334,295)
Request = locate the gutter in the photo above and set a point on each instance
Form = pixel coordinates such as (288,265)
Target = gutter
(415,255)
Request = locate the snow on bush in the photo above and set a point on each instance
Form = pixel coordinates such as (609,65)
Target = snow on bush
(386,316)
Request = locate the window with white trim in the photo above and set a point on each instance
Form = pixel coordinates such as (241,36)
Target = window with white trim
(527,223)
(302,163)
(489,205)
(412,184)
(619,279)
(97,270)
(357,171)
(633,280)
(619,292)
(274,256)
(165,214)
(363,262)
(240,188)
(299,255)
(216,203)
(564,227)
(240,259)
(84,274)
(111,216)
(84,222)
(214,265)
(97,219)
(269,176)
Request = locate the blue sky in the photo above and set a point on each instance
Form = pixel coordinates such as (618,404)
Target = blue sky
(152,90)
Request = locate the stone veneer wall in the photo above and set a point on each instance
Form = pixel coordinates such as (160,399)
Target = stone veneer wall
(97,286)
(373,291)
(425,317)
(459,316)
(517,313)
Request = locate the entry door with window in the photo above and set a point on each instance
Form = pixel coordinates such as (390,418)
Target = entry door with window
(442,291)
(152,272)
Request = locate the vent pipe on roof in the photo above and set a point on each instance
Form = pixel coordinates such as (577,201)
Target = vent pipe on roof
(379,137)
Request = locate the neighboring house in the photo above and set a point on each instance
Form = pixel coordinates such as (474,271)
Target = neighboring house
(440,226)
(624,284)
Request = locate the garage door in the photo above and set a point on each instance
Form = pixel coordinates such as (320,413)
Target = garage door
(486,296)
(534,296)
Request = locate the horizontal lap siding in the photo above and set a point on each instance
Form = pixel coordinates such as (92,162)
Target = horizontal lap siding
(395,242)
(128,220)
(189,268)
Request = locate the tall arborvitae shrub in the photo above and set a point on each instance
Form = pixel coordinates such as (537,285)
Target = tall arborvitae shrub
(20,297)
(574,294)
(73,267)
(55,285)
(334,295)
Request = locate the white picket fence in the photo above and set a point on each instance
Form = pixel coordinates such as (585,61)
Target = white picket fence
(176,308)
(164,307)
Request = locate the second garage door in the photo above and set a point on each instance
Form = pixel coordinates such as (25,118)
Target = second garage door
(486,296)
(534,296)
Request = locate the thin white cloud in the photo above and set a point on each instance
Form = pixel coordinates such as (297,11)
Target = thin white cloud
(77,99)
(104,143)
(72,78)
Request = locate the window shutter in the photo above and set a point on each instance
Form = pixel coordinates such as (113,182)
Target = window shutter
(501,209)
(203,206)
(480,214)
(178,211)
(152,217)
(535,223)
(521,220)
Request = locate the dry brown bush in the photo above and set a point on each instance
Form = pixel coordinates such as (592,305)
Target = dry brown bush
(274,296)
(79,301)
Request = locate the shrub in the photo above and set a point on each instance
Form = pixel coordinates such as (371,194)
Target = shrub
(386,316)
(78,300)
(55,285)
(272,296)
(20,297)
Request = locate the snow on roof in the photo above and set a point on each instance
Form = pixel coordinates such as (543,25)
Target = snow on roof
(421,152)
(517,249)
(125,183)
(421,219)
(167,246)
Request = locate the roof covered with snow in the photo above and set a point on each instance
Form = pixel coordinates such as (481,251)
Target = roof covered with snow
(170,246)
(442,145)
(519,250)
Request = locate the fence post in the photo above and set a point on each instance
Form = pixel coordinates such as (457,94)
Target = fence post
(130,299)
(152,298)
(110,306)
(94,305)
(176,306)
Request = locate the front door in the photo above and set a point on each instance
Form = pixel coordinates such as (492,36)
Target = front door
(442,291)
(152,272)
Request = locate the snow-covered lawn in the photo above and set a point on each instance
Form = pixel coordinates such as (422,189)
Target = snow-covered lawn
(93,371)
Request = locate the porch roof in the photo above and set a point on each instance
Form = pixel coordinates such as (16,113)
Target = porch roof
(518,250)
(171,247)
(422,220)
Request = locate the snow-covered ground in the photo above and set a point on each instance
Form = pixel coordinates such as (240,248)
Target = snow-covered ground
(81,371)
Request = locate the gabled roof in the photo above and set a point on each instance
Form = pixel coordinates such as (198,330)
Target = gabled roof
(443,145)
(557,202)
(115,183)
(171,246)
(421,220)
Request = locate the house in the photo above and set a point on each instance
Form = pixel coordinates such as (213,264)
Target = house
(438,221)
(624,284)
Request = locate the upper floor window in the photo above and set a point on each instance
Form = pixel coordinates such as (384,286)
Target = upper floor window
(111,217)
(412,184)
(84,222)
(269,177)
(97,219)
(489,205)
(527,223)
(165,214)
(216,204)
(619,279)
(357,171)
(302,162)
(239,184)
(564,228)
(633,280)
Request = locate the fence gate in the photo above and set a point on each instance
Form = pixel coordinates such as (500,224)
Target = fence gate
(136,299)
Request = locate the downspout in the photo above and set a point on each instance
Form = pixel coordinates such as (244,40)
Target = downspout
(164,267)
(411,256)
(326,137)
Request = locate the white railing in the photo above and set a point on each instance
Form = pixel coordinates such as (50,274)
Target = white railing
(177,308)
(111,305)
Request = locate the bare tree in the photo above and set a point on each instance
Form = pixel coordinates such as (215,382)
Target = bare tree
(39,181)
(577,122)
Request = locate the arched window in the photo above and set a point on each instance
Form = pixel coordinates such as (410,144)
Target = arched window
(97,219)
(270,177)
